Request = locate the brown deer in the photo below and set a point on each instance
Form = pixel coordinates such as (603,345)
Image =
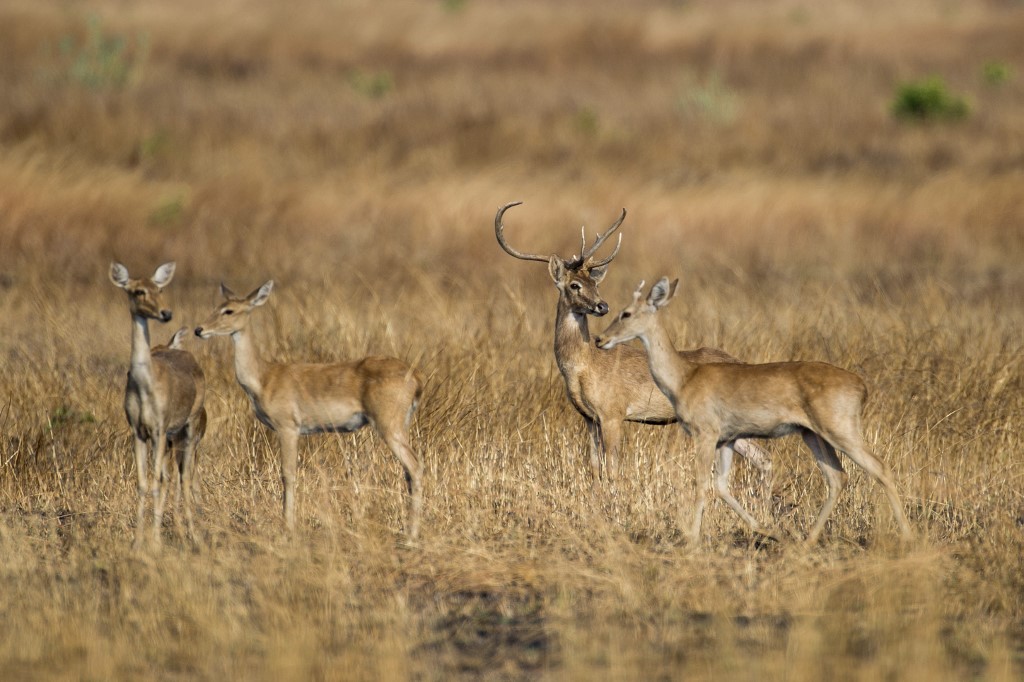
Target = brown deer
(297,399)
(163,401)
(719,403)
(607,388)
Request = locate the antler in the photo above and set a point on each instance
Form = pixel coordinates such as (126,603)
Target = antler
(499,232)
(639,293)
(588,253)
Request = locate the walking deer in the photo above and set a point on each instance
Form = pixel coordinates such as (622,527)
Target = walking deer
(607,388)
(297,399)
(719,403)
(163,401)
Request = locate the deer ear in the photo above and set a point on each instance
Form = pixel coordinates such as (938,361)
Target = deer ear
(226,292)
(118,274)
(163,275)
(260,296)
(556,268)
(662,292)
(178,339)
(598,273)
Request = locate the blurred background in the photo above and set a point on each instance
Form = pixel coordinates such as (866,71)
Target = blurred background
(249,138)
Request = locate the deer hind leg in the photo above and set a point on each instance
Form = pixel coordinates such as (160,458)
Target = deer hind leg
(610,431)
(596,447)
(391,412)
(177,461)
(760,460)
(723,466)
(186,474)
(855,449)
(199,432)
(141,469)
(835,478)
(397,439)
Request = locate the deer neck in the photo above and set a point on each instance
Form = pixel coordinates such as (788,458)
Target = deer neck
(573,344)
(669,370)
(248,366)
(142,362)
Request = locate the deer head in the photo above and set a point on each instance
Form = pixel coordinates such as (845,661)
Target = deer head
(233,314)
(636,318)
(576,277)
(144,298)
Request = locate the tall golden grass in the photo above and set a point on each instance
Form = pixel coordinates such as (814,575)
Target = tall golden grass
(356,152)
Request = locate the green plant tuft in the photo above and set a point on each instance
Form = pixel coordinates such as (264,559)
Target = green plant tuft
(587,121)
(927,100)
(996,73)
(104,61)
(712,100)
(168,212)
(371,84)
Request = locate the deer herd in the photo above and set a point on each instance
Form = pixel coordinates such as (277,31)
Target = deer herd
(717,399)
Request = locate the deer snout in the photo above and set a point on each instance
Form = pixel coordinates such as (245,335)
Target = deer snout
(601,309)
(166,315)
(199,332)
(599,340)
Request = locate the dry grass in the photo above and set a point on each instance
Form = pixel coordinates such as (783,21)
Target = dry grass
(356,152)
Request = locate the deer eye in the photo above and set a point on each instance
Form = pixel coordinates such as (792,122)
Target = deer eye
(229,311)
(625,314)
(575,286)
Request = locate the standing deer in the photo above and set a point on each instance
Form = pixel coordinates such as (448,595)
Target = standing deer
(607,388)
(721,402)
(297,399)
(163,400)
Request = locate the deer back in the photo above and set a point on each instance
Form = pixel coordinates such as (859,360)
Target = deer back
(754,399)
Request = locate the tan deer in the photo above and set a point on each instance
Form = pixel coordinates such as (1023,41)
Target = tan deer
(296,399)
(607,388)
(177,342)
(721,402)
(163,401)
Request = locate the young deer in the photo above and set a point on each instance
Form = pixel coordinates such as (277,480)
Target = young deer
(607,388)
(296,399)
(163,400)
(720,403)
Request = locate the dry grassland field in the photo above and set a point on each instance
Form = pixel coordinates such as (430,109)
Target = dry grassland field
(356,153)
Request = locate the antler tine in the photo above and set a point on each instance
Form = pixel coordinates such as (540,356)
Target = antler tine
(601,239)
(638,294)
(499,233)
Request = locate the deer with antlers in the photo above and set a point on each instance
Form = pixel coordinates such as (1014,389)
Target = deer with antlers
(296,399)
(607,388)
(719,403)
(163,401)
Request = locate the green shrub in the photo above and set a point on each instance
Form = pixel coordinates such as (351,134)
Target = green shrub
(712,100)
(996,73)
(104,61)
(928,99)
(168,211)
(587,121)
(371,84)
